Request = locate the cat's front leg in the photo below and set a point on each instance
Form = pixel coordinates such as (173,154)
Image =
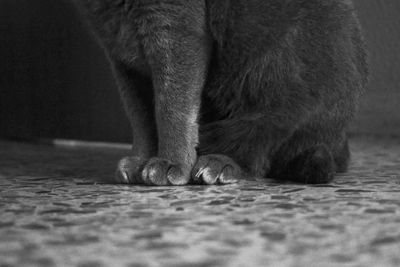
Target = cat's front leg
(178,73)
(136,92)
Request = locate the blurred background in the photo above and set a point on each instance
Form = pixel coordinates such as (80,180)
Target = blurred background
(55,81)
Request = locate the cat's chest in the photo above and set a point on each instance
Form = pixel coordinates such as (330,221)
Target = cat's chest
(119,34)
(127,30)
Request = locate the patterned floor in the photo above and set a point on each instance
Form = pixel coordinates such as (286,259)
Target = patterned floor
(56,210)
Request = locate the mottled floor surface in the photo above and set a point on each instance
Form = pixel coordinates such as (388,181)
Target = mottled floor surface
(55,210)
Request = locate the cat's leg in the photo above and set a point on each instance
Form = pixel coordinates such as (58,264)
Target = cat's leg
(281,146)
(262,148)
(178,72)
(234,149)
(315,165)
(311,159)
(177,103)
(137,96)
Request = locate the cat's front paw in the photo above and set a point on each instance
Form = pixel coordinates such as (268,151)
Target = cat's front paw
(129,170)
(160,171)
(215,169)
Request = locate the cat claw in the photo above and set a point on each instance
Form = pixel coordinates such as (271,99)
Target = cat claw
(122,177)
(215,169)
(209,170)
(128,170)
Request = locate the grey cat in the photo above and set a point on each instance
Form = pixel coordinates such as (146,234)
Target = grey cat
(216,90)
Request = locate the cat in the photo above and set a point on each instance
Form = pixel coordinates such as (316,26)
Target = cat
(217,90)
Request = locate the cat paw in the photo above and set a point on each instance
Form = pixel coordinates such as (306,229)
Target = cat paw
(215,169)
(160,172)
(129,170)
(319,166)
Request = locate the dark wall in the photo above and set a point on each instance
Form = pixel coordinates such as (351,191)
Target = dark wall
(55,81)
(380,109)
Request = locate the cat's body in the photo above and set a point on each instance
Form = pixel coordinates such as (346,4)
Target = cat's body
(268,84)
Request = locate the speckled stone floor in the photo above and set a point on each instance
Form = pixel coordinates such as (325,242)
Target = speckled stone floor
(57,210)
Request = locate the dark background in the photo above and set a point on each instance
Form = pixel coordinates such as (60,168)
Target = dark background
(55,81)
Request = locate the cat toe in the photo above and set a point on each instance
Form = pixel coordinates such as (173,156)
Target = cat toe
(215,169)
(163,172)
(128,170)
(122,177)
(319,167)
